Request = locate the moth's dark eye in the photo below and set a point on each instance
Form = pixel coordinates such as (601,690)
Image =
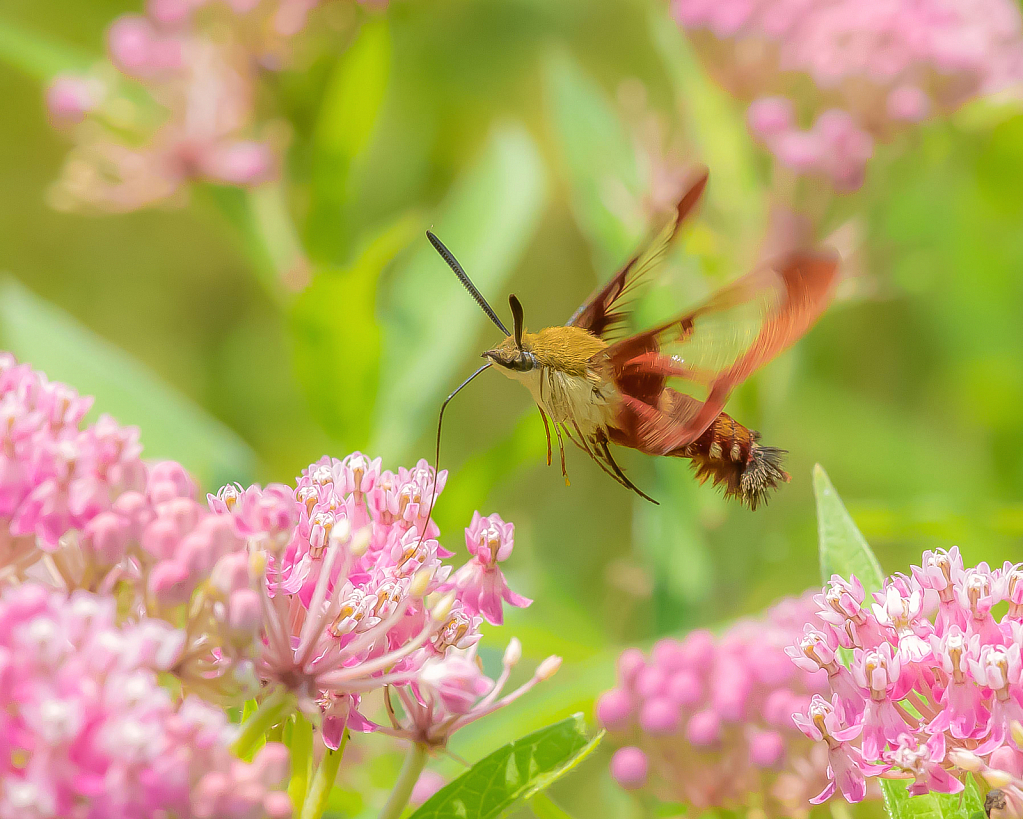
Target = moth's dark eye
(522,363)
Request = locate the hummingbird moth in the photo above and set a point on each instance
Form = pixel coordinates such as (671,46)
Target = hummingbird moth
(598,387)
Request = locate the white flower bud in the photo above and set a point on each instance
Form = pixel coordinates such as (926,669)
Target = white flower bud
(513,653)
(548,667)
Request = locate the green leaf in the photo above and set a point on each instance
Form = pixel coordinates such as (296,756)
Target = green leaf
(843,550)
(348,113)
(900,805)
(544,807)
(172,426)
(431,323)
(38,55)
(512,773)
(337,338)
(598,156)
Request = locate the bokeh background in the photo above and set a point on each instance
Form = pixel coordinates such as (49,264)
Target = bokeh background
(250,329)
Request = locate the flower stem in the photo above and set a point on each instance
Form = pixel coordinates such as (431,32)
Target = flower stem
(323,781)
(415,761)
(270,711)
(301,744)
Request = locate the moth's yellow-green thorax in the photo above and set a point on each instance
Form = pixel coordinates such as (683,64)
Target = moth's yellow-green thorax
(563,349)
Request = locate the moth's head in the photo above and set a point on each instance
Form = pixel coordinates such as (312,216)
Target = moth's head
(507,355)
(510,353)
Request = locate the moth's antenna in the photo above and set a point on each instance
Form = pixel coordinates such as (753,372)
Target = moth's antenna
(516,308)
(463,277)
(436,458)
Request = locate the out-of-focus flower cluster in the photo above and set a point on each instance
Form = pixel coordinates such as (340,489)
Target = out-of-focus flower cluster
(935,682)
(315,594)
(86,731)
(708,720)
(828,78)
(177,102)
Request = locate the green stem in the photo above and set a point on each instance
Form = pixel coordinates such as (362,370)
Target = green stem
(270,711)
(323,781)
(301,761)
(415,761)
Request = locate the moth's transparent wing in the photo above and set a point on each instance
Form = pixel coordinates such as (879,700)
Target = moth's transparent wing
(604,311)
(713,348)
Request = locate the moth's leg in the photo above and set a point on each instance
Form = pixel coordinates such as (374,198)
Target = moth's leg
(546,429)
(606,452)
(561,448)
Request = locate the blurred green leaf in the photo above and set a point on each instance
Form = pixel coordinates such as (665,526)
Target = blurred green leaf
(598,156)
(544,807)
(714,122)
(430,322)
(172,426)
(38,55)
(843,550)
(337,338)
(674,544)
(348,113)
(513,773)
(900,805)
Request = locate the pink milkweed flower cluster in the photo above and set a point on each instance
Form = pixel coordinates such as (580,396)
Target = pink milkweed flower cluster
(176,103)
(933,674)
(358,598)
(828,78)
(87,732)
(708,720)
(317,594)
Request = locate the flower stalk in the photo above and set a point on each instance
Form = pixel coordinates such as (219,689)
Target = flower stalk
(411,768)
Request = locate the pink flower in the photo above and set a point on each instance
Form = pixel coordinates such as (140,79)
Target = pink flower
(480,582)
(88,731)
(709,720)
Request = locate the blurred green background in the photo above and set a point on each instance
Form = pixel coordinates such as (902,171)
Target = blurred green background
(504,125)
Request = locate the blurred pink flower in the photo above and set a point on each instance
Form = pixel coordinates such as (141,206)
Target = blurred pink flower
(198,63)
(87,731)
(856,71)
(708,720)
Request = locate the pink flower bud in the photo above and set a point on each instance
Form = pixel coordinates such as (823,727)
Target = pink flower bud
(659,716)
(427,785)
(169,583)
(908,104)
(69,98)
(767,749)
(273,763)
(704,729)
(106,538)
(169,480)
(771,116)
(614,709)
(629,767)
(244,613)
(630,663)
(651,682)
(684,689)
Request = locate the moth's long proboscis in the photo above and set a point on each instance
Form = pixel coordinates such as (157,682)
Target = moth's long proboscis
(463,277)
(436,458)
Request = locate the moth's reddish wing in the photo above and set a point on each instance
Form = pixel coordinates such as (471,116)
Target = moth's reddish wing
(716,346)
(598,314)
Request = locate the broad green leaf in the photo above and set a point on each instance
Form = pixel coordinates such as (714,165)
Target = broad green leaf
(900,805)
(337,339)
(37,54)
(172,426)
(513,773)
(843,550)
(598,156)
(348,113)
(431,323)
